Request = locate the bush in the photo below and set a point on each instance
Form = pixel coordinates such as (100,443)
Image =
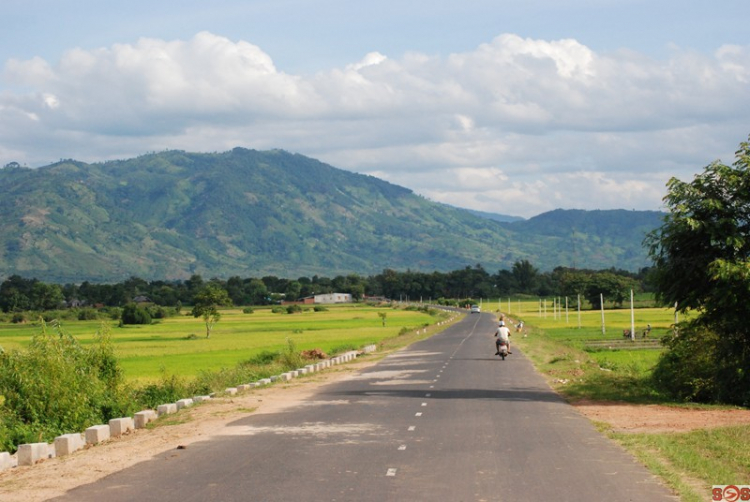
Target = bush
(262,358)
(57,386)
(291,357)
(114,313)
(18,317)
(293,309)
(87,314)
(169,389)
(320,308)
(133,314)
(686,369)
(160,312)
(248,310)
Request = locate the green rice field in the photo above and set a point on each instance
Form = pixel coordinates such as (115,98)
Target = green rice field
(178,345)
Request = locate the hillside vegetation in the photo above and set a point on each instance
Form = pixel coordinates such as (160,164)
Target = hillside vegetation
(173,214)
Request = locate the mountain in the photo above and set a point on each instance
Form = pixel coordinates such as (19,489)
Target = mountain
(503,218)
(253,213)
(586,237)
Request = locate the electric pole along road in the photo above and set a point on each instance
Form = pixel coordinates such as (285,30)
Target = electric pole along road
(444,419)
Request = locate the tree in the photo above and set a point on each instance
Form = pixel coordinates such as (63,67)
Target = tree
(292,291)
(256,292)
(526,276)
(206,305)
(702,263)
(613,287)
(14,293)
(133,314)
(46,296)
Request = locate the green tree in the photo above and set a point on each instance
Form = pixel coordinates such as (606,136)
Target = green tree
(613,287)
(206,305)
(46,296)
(256,292)
(526,276)
(133,314)
(14,293)
(702,263)
(292,291)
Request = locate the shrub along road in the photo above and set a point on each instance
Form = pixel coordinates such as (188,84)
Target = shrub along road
(441,420)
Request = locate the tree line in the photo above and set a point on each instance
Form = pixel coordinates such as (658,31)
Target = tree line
(19,294)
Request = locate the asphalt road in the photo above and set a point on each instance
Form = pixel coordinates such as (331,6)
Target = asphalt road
(443,420)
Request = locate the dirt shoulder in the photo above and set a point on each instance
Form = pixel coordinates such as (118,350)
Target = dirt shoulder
(654,418)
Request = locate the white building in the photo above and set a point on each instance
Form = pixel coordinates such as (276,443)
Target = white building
(333,298)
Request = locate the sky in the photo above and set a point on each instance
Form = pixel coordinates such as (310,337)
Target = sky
(507,106)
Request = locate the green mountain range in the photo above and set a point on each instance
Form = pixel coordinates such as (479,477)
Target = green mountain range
(254,213)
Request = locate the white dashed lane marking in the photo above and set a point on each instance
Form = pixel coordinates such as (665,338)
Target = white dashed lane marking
(391,472)
(412,427)
(402,447)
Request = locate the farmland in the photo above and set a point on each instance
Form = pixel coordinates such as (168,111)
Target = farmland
(178,345)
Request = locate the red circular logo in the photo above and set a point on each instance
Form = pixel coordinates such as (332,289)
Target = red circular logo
(731,493)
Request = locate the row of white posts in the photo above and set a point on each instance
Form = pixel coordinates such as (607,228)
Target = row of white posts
(557,310)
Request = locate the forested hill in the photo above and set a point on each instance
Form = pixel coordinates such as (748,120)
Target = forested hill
(249,213)
(613,235)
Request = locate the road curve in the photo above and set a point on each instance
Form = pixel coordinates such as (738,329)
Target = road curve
(441,420)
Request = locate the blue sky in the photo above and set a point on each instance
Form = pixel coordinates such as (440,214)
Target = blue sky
(516,107)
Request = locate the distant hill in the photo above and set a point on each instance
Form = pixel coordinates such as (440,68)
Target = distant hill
(612,235)
(249,213)
(503,218)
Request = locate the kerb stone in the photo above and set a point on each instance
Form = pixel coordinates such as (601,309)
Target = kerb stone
(5,461)
(97,434)
(119,426)
(30,454)
(67,444)
(141,418)
(184,403)
(166,409)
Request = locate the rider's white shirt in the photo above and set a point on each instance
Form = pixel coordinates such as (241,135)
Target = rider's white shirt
(503,333)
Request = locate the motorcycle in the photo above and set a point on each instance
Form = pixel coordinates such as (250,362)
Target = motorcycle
(502,349)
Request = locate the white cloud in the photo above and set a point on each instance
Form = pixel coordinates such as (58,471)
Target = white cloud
(553,123)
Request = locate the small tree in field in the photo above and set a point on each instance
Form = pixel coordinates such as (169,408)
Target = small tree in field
(206,305)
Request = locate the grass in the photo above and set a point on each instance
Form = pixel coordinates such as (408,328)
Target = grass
(689,462)
(693,461)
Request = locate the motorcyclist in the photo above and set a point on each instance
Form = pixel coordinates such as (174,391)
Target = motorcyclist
(503,335)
